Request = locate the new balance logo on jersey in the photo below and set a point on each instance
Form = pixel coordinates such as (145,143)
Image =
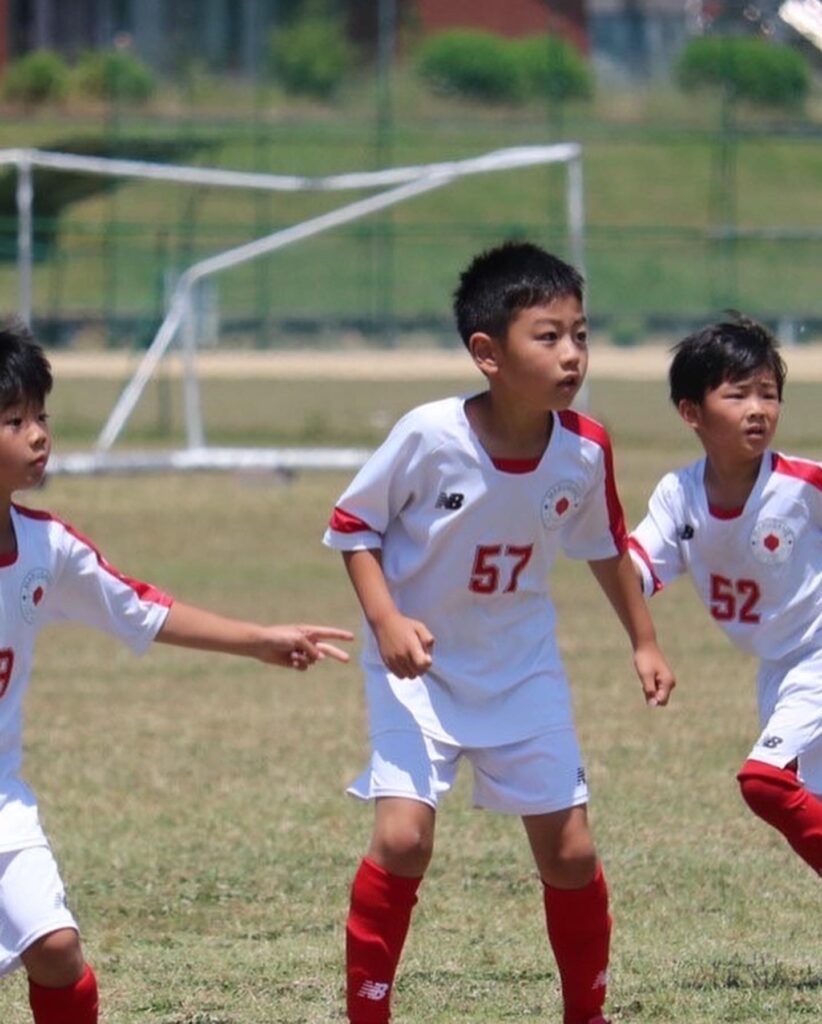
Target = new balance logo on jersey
(771,742)
(686,532)
(450,501)
(374,990)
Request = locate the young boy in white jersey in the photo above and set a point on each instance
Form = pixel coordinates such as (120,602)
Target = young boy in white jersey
(49,572)
(448,533)
(744,522)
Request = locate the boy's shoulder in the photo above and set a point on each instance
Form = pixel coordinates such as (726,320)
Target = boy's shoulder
(799,468)
(683,483)
(440,410)
(38,521)
(584,426)
(433,422)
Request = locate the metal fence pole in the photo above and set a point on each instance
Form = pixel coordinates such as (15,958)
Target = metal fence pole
(195,435)
(25,231)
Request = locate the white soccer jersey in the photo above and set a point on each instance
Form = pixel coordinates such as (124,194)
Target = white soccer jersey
(55,575)
(467,545)
(757,569)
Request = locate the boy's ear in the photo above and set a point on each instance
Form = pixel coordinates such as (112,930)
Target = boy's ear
(485,353)
(690,412)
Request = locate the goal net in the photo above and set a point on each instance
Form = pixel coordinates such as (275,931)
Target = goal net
(181,328)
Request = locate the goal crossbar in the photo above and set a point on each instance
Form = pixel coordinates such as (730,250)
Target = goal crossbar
(399,184)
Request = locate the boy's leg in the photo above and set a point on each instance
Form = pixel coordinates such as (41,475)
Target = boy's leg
(382,898)
(778,797)
(62,987)
(39,932)
(781,781)
(576,909)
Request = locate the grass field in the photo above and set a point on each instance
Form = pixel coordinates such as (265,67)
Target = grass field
(196,803)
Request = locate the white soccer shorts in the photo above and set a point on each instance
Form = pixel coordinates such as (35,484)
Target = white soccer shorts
(32,902)
(790,713)
(534,776)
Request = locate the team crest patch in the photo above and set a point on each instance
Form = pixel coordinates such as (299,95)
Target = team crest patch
(558,503)
(772,542)
(33,591)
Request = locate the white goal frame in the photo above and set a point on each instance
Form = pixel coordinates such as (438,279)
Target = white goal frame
(399,184)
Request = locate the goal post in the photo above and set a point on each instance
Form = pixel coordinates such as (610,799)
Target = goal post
(397,185)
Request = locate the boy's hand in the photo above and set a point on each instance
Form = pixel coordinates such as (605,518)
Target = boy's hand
(405,646)
(300,646)
(655,675)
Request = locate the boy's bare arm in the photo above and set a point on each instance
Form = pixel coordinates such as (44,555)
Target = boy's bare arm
(290,646)
(618,579)
(405,644)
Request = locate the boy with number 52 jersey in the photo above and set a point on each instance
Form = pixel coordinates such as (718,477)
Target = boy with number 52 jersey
(745,522)
(50,573)
(448,534)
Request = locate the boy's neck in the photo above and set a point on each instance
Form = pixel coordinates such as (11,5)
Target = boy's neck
(507,432)
(8,539)
(728,485)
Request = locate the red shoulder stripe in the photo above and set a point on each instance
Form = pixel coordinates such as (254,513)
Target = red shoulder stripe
(585,427)
(145,591)
(810,472)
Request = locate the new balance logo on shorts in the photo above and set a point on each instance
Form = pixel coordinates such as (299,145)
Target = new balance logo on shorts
(451,501)
(374,990)
(580,776)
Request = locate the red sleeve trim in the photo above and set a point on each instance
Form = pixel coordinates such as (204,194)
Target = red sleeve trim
(145,591)
(343,522)
(585,427)
(810,472)
(634,545)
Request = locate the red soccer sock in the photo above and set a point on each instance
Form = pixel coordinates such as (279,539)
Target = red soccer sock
(777,796)
(378,919)
(74,1004)
(579,928)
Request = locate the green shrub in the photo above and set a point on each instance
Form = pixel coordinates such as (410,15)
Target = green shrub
(311,57)
(115,75)
(473,64)
(554,69)
(39,77)
(751,69)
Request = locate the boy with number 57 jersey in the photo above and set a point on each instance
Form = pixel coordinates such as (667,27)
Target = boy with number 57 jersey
(49,573)
(448,534)
(745,522)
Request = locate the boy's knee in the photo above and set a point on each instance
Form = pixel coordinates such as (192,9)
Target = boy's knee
(55,960)
(404,848)
(767,790)
(573,869)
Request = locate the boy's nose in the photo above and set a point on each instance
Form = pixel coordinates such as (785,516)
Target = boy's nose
(38,435)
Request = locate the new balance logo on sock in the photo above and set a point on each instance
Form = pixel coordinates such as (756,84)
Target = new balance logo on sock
(374,990)
(600,981)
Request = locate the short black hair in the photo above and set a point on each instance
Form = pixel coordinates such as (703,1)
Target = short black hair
(25,373)
(729,350)
(501,282)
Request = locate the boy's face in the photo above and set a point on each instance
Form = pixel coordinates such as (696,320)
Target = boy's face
(25,445)
(737,420)
(541,363)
